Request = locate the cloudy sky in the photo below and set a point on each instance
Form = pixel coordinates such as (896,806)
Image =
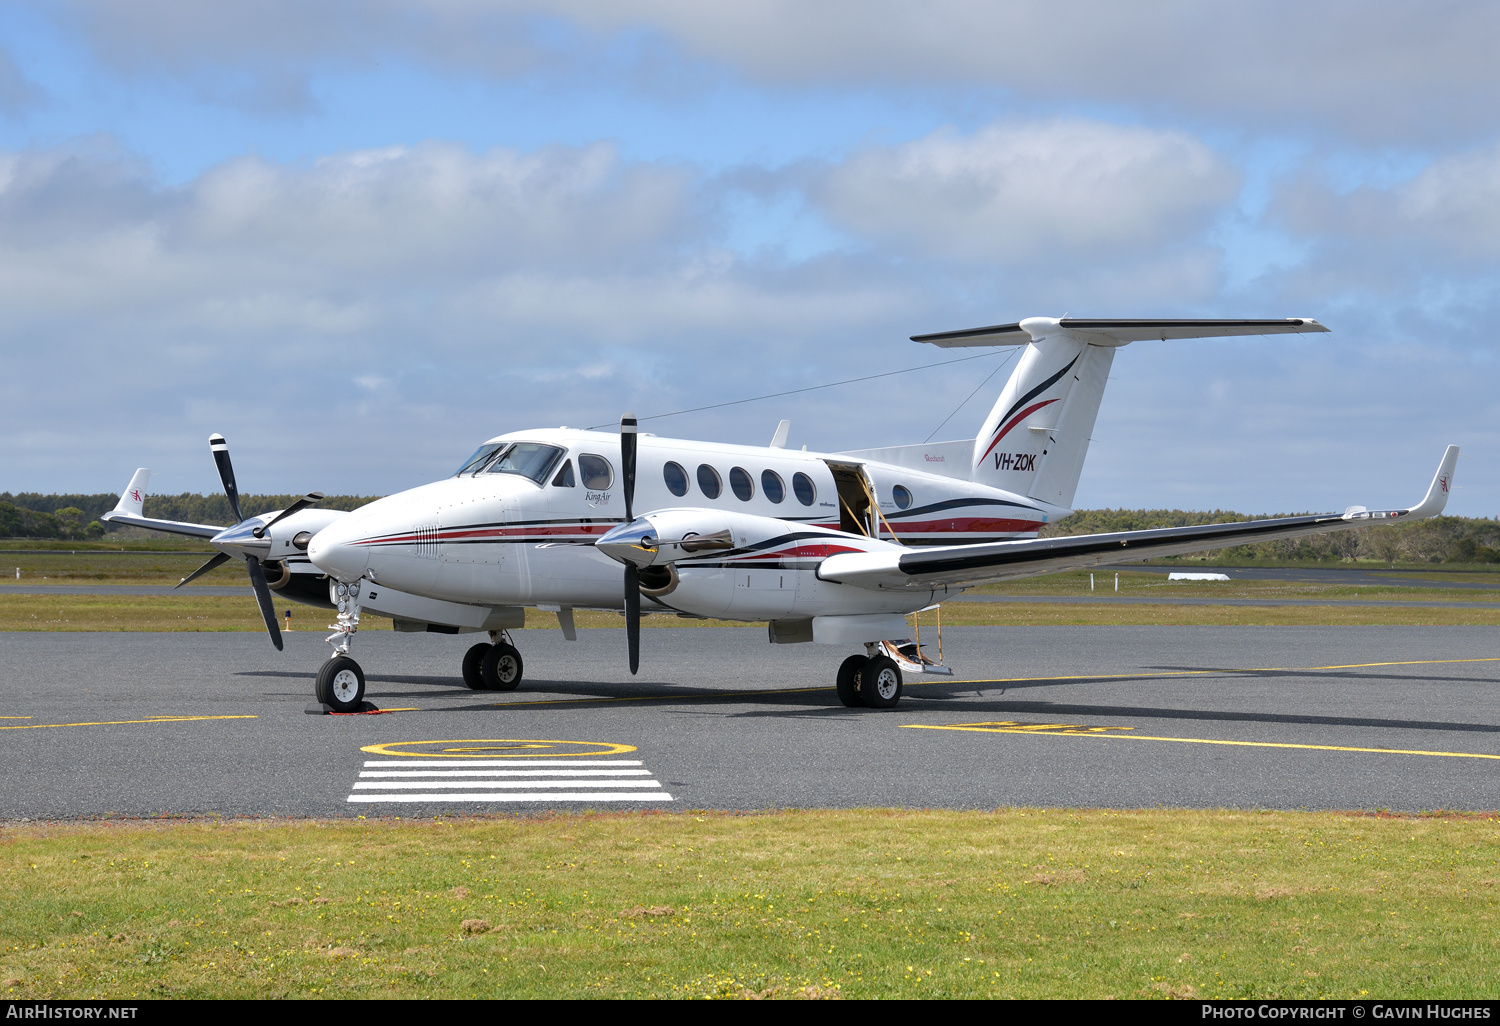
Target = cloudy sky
(359,237)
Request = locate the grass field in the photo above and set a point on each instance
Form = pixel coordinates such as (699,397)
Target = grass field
(1018,903)
(227,613)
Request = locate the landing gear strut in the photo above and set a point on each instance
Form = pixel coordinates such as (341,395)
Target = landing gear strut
(341,683)
(870,681)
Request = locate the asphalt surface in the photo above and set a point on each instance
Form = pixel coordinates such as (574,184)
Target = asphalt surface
(1310,717)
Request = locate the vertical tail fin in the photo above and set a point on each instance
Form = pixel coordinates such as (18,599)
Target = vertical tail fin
(1034,441)
(134,494)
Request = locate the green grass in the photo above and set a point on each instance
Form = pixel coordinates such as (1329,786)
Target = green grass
(867,903)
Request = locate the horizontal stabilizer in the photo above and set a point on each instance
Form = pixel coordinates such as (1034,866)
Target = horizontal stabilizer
(1123,331)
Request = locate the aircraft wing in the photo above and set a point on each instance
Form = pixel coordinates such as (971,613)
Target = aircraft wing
(967,565)
(128,511)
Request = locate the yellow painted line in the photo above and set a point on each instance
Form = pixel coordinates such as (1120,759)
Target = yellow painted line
(114,723)
(1086,732)
(15,717)
(1221,670)
(599,748)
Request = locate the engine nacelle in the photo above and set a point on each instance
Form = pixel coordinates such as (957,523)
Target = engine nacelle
(721,564)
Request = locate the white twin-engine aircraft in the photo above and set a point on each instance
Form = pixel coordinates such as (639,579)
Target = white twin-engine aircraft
(833,548)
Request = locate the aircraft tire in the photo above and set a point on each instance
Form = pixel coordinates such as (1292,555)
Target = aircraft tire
(501,668)
(847,681)
(341,684)
(472,660)
(880,683)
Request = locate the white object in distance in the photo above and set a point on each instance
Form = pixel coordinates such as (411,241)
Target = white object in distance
(1197,577)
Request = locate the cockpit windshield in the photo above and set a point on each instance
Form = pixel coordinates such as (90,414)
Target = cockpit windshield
(529,459)
(482,455)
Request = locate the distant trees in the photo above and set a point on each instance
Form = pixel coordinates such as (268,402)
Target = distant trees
(69,523)
(76,517)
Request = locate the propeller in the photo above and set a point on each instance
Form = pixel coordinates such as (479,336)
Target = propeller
(632,574)
(235,538)
(310,499)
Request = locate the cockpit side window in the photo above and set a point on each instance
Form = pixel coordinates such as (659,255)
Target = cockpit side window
(564,477)
(482,455)
(529,459)
(596,472)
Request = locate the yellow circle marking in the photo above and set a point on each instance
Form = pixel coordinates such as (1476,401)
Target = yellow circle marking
(497,748)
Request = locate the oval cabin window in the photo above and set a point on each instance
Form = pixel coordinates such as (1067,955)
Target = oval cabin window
(902,495)
(595,472)
(709,481)
(676,478)
(771,485)
(804,489)
(740,483)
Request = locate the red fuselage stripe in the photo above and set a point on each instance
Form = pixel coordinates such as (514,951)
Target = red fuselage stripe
(1016,420)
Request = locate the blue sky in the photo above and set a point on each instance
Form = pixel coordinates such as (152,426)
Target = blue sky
(358,237)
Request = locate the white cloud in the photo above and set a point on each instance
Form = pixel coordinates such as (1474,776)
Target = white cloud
(1375,70)
(357,322)
(1019,194)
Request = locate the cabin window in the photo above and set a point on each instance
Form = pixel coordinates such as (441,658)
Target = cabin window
(596,472)
(564,478)
(740,484)
(771,485)
(529,459)
(709,481)
(804,489)
(902,495)
(676,478)
(475,463)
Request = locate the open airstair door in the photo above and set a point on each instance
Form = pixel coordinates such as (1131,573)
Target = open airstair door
(1035,439)
(854,498)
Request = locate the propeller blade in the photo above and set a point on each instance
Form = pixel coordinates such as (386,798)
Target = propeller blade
(633,615)
(627,463)
(263,596)
(226,474)
(219,559)
(310,499)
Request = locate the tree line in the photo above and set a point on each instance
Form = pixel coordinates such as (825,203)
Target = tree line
(77,517)
(1437,540)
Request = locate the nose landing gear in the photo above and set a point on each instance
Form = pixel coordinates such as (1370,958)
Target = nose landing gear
(340,684)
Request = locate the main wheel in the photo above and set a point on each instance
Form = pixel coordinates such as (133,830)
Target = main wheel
(880,683)
(341,684)
(847,682)
(472,660)
(501,668)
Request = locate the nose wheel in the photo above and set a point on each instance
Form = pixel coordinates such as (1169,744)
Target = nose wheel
(341,684)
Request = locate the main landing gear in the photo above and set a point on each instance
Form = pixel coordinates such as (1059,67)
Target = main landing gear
(872,681)
(495,666)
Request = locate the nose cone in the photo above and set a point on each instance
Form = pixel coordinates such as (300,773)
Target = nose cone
(339,550)
(634,542)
